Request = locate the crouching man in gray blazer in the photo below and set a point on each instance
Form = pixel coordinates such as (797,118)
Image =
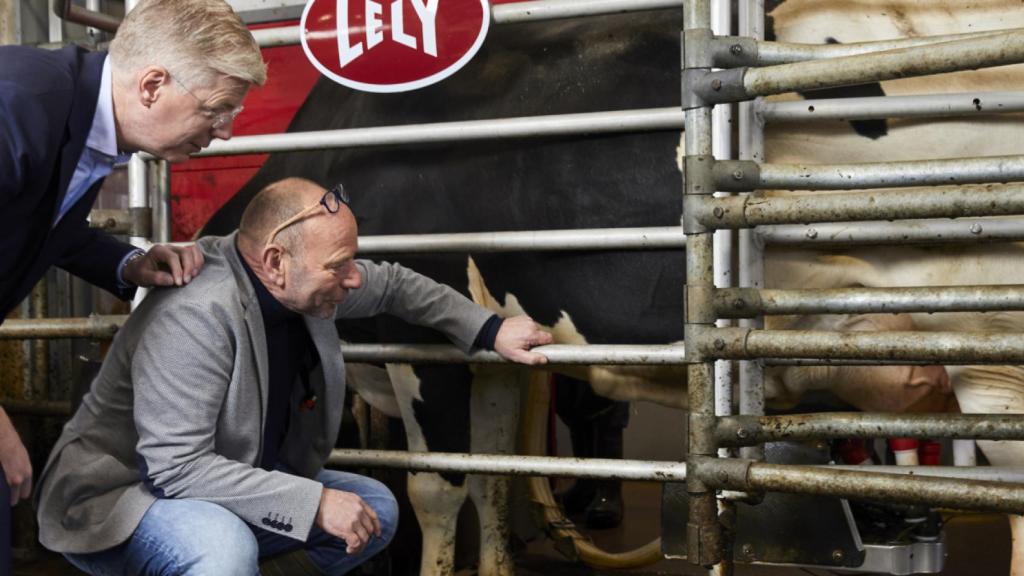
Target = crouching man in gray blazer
(200,448)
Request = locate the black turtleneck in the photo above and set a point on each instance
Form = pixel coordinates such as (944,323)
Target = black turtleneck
(290,354)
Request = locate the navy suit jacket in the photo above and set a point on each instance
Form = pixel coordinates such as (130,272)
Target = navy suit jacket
(47,103)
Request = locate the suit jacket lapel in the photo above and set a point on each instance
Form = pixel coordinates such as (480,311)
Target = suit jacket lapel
(253,323)
(332,391)
(83,108)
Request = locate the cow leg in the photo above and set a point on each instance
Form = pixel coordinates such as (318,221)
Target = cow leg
(494,415)
(436,498)
(996,390)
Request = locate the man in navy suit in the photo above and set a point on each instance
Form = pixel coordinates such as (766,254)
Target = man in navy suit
(174,80)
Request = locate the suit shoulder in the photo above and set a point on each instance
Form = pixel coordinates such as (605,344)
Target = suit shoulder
(38,72)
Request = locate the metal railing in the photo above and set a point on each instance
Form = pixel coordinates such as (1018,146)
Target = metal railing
(705,304)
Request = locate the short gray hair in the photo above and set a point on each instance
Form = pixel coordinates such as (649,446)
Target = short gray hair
(198,39)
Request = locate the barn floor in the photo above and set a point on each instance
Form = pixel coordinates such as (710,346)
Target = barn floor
(978,546)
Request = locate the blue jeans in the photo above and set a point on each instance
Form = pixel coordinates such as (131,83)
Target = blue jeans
(197,538)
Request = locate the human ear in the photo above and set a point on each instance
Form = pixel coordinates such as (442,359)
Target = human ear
(152,79)
(274,264)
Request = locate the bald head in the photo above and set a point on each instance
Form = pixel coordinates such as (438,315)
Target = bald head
(275,204)
(309,264)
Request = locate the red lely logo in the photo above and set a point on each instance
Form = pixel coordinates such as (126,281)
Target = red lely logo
(392,45)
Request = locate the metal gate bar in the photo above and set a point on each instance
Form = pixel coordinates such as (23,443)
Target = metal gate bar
(747,430)
(630,470)
(746,83)
(894,346)
(472,130)
(774,53)
(904,232)
(103,327)
(738,474)
(870,108)
(650,355)
(747,211)
(746,302)
(527,241)
(743,175)
(512,464)
(514,13)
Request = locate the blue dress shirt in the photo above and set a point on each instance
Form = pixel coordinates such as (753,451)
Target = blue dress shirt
(100,154)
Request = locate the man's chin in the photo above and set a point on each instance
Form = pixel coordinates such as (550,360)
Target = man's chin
(326,312)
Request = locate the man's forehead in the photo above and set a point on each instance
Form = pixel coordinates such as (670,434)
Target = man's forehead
(340,256)
(227,92)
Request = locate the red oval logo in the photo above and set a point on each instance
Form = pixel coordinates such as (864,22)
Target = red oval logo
(392,45)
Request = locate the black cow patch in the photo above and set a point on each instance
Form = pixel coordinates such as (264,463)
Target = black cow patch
(873,129)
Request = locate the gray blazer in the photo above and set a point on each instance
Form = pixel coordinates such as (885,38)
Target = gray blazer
(178,408)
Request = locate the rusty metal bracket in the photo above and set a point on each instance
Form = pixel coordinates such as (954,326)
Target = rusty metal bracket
(733,52)
(736,175)
(141,222)
(710,88)
(67,10)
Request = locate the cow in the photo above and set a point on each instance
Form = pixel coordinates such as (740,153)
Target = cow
(623,180)
(978,389)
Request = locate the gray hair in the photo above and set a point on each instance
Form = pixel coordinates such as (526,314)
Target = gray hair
(197,39)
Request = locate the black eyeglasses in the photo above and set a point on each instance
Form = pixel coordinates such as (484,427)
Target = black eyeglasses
(334,198)
(331,201)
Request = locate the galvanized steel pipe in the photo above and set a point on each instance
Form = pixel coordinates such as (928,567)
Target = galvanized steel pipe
(988,50)
(473,130)
(966,54)
(894,346)
(512,465)
(662,355)
(597,468)
(990,473)
(829,481)
(513,13)
(905,232)
(730,175)
(745,302)
(751,249)
(747,211)
(557,9)
(773,53)
(704,534)
(36,408)
(917,106)
(746,430)
(103,327)
(527,241)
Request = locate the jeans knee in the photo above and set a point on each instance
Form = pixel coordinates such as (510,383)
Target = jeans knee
(223,544)
(239,558)
(387,513)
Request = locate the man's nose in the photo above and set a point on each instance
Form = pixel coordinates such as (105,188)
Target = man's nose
(353,280)
(226,131)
